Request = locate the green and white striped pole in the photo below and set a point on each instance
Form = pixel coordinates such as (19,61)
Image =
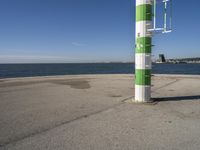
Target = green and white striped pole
(143,51)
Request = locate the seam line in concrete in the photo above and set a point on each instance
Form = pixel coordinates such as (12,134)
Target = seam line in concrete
(166,85)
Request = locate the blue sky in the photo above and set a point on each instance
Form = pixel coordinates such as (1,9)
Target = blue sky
(88,31)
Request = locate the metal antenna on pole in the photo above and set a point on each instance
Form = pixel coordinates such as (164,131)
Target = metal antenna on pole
(170,21)
(165,28)
(165,16)
(154,16)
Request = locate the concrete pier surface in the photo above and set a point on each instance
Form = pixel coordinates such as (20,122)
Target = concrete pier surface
(95,112)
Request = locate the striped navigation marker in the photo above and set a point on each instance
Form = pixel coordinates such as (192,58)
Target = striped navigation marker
(143,50)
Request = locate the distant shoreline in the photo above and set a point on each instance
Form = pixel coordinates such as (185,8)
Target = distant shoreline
(95,63)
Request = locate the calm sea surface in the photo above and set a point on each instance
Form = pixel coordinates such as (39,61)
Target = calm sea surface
(29,70)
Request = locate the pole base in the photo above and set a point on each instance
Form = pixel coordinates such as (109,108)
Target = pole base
(141,101)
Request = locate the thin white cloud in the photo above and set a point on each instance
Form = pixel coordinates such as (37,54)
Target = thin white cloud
(35,58)
(29,57)
(78,44)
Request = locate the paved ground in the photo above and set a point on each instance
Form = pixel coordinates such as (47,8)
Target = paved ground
(95,112)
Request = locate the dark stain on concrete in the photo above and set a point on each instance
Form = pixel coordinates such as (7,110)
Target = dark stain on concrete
(76,84)
(171,90)
(168,122)
(113,95)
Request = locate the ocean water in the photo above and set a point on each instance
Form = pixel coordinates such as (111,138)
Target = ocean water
(29,70)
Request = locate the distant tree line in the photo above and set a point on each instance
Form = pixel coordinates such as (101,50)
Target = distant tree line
(185,59)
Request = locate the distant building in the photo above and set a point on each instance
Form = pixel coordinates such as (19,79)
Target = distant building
(161,58)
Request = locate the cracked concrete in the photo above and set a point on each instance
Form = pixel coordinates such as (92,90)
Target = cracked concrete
(96,112)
